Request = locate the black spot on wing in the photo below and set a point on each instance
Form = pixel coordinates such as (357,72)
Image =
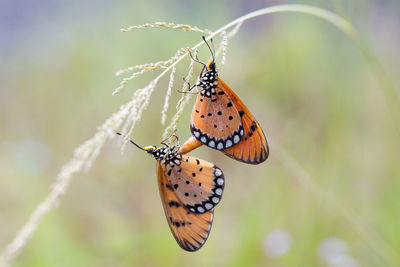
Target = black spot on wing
(253,126)
(173,203)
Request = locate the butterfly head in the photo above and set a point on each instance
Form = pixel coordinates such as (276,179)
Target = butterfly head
(211,66)
(150,149)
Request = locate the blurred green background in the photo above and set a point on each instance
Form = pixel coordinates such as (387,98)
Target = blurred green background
(329,195)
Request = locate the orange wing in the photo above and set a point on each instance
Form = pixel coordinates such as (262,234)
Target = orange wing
(189,192)
(215,121)
(253,148)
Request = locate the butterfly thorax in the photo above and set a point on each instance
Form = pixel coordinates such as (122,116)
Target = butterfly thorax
(208,81)
(167,155)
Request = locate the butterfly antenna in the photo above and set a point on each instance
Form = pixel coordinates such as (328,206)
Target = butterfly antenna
(211,50)
(130,140)
(212,44)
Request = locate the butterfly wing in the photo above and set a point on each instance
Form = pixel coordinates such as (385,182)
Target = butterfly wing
(215,121)
(253,148)
(189,191)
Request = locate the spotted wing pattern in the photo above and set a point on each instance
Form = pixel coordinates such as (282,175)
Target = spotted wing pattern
(253,148)
(215,121)
(189,191)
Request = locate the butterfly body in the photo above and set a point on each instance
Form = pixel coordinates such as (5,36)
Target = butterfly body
(221,121)
(215,120)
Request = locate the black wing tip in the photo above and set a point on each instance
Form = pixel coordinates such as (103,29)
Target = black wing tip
(263,157)
(190,247)
(187,248)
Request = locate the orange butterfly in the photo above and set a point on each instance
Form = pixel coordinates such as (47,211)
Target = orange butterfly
(190,188)
(221,121)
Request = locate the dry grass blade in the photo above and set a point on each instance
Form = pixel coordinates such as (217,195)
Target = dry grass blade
(153,66)
(171,128)
(146,68)
(141,100)
(82,160)
(167,97)
(223,46)
(184,27)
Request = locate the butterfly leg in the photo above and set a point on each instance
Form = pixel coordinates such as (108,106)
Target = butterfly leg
(189,88)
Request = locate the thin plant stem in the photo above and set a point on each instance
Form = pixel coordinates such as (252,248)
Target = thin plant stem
(372,241)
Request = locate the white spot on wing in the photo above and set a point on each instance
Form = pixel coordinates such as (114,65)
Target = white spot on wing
(200,209)
(215,200)
(211,144)
(218,191)
(208,206)
(228,143)
(236,139)
(220,181)
(218,172)
(196,133)
(220,145)
(203,139)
